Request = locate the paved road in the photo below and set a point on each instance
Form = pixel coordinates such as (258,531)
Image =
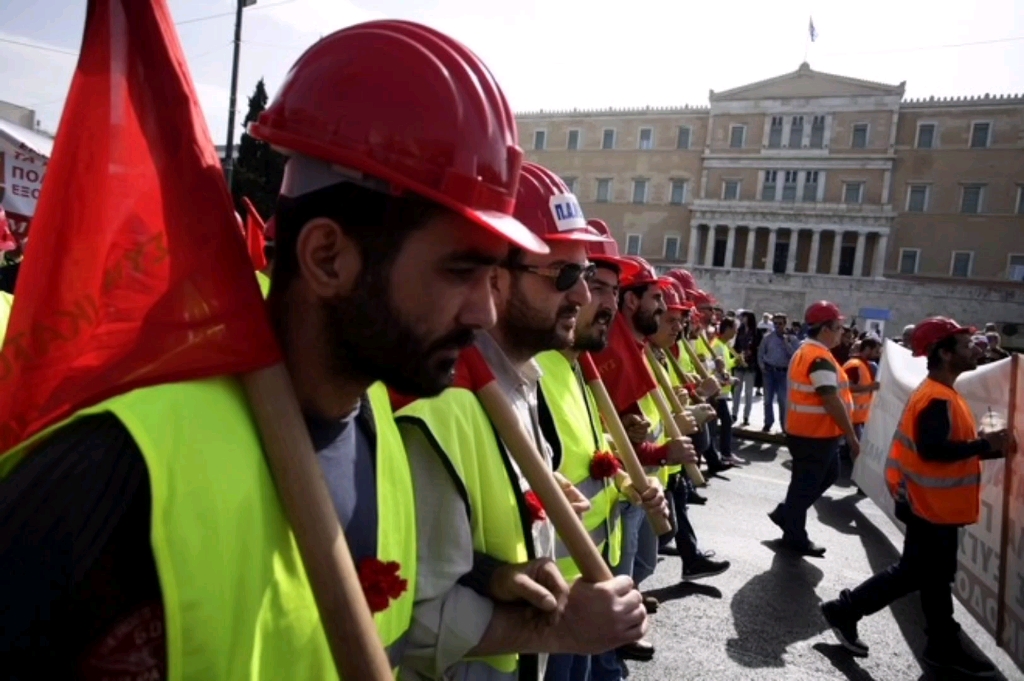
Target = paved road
(760,620)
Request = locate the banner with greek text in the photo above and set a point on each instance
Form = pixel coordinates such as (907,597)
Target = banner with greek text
(24,155)
(987,391)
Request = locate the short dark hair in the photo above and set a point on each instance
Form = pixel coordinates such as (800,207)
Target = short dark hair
(934,358)
(638,291)
(379,224)
(610,266)
(815,331)
(726,324)
(869,343)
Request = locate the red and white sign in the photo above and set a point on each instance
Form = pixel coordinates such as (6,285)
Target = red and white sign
(24,155)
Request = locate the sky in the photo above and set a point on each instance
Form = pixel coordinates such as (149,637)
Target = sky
(564,54)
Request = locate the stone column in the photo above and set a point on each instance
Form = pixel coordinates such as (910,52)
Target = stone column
(769,258)
(704,183)
(794,240)
(812,260)
(730,245)
(748,257)
(878,267)
(886,185)
(837,247)
(709,248)
(858,258)
(691,249)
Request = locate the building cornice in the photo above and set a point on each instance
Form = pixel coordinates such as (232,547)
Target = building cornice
(686,109)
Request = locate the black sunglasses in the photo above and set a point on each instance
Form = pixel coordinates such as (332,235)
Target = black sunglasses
(565,277)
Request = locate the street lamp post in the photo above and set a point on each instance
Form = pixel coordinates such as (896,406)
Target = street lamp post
(229,149)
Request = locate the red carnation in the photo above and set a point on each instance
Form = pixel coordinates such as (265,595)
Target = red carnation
(536,508)
(604,465)
(381,582)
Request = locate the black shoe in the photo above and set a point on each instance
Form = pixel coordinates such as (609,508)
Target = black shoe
(694,498)
(703,567)
(957,657)
(860,492)
(745,423)
(641,651)
(807,548)
(844,625)
(765,429)
(776,517)
(651,604)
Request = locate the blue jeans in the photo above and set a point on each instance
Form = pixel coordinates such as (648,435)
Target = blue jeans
(605,667)
(815,468)
(774,390)
(568,668)
(639,545)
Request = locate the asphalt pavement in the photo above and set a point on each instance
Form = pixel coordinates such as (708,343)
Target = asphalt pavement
(760,619)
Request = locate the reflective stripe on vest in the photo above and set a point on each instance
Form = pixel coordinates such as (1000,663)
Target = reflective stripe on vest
(237,602)
(805,409)
(6,300)
(578,428)
(861,400)
(457,426)
(945,493)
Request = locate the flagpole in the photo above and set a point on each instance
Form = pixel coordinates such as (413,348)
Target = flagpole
(229,149)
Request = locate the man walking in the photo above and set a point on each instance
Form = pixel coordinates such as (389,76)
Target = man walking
(773,356)
(934,473)
(863,385)
(818,414)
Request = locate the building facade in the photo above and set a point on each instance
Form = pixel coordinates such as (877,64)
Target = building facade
(808,180)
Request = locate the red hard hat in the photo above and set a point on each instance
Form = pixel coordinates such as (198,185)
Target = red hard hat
(408,105)
(685,278)
(701,298)
(7,240)
(546,205)
(822,312)
(675,299)
(644,275)
(933,330)
(608,251)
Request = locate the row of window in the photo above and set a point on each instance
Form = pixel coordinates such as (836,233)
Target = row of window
(972,198)
(961,263)
(981,135)
(791,190)
(641,187)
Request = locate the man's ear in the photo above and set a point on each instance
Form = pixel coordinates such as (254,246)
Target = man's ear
(329,260)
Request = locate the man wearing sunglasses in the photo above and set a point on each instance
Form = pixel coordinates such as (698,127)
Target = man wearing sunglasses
(486,548)
(818,410)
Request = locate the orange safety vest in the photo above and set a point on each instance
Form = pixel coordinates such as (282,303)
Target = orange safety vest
(861,401)
(944,493)
(805,410)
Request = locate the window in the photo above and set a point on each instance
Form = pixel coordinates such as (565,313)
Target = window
(683,138)
(608,139)
(917,198)
(818,132)
(632,244)
(852,192)
(671,248)
(539,138)
(678,195)
(737,136)
(574,140)
(908,260)
(768,189)
(796,132)
(860,136)
(960,263)
(789,186)
(571,183)
(980,135)
(811,186)
(604,191)
(1015,266)
(639,191)
(646,138)
(1020,199)
(775,133)
(731,190)
(925,135)
(970,199)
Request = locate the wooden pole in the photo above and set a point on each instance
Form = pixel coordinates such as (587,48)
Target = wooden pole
(671,428)
(1004,535)
(524,450)
(634,468)
(355,644)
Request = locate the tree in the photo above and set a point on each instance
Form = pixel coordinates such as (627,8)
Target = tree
(259,169)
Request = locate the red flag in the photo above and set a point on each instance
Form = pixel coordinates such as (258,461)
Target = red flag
(471,373)
(135,275)
(254,229)
(623,367)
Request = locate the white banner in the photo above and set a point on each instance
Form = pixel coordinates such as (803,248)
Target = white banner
(24,155)
(987,390)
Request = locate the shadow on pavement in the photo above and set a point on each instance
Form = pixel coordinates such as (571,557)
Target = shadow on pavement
(682,590)
(756,451)
(843,661)
(775,609)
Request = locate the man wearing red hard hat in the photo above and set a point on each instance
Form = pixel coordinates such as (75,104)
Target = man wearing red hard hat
(818,411)
(934,474)
(479,529)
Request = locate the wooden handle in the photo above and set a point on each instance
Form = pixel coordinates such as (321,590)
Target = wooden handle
(663,380)
(524,450)
(355,644)
(701,369)
(634,468)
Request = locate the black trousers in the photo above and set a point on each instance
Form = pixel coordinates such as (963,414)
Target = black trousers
(686,538)
(928,565)
(815,469)
(723,427)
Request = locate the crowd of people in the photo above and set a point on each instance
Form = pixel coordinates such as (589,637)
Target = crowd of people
(405,255)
